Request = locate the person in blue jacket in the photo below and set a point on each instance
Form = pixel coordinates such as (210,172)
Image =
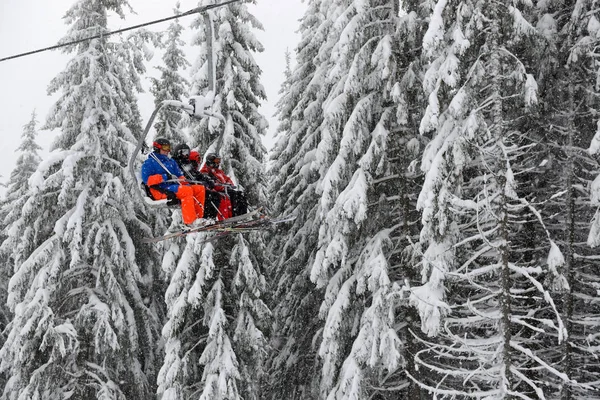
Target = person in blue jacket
(165,179)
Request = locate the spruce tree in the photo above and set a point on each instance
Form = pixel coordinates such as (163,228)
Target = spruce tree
(294,366)
(215,335)
(16,196)
(10,208)
(564,181)
(170,122)
(341,177)
(81,325)
(487,252)
(356,234)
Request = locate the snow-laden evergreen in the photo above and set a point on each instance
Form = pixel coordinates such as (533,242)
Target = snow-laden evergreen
(566,178)
(13,248)
(170,122)
(441,159)
(333,166)
(487,253)
(171,85)
(293,367)
(217,319)
(20,246)
(359,346)
(82,327)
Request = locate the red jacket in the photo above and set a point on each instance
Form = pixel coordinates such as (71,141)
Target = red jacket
(217,174)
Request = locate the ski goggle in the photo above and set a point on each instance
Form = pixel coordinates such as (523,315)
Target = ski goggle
(165,147)
(216,161)
(184,152)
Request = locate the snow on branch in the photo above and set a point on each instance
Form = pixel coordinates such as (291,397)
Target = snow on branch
(594,149)
(561,330)
(377,147)
(435,32)
(520,24)
(329,349)
(19,282)
(203,275)
(36,181)
(545,365)
(531,89)
(461,44)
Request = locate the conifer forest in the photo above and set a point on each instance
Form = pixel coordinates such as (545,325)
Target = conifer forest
(442,160)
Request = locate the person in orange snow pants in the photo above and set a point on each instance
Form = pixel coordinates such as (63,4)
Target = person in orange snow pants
(165,180)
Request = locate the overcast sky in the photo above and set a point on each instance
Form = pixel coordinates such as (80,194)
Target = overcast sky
(27,25)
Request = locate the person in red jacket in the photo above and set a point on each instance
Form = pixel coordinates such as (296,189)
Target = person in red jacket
(165,180)
(217,205)
(224,183)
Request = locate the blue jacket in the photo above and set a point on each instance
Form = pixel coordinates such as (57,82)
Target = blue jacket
(152,167)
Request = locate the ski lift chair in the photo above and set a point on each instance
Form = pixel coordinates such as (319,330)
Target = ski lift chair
(198,107)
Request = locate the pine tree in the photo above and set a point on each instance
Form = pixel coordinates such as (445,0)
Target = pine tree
(12,203)
(564,181)
(294,366)
(81,327)
(170,122)
(284,123)
(171,85)
(395,190)
(16,196)
(356,237)
(487,252)
(341,177)
(217,323)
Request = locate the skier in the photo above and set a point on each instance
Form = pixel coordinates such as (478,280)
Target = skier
(165,180)
(217,204)
(224,183)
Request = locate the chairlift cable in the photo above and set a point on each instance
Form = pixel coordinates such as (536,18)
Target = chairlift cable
(101,35)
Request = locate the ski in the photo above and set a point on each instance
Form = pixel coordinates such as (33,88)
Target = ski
(219,225)
(260,223)
(244,223)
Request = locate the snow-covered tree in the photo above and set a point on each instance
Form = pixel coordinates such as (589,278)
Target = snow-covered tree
(171,85)
(294,365)
(488,255)
(215,335)
(81,327)
(564,180)
(338,167)
(170,122)
(14,248)
(360,348)
(16,195)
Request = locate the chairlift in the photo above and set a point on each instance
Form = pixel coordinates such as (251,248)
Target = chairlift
(197,107)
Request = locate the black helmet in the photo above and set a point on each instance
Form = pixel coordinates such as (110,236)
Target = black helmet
(161,144)
(213,160)
(181,153)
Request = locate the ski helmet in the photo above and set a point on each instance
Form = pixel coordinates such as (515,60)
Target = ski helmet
(194,156)
(181,152)
(161,144)
(213,160)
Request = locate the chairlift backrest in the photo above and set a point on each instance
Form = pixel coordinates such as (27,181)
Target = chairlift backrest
(198,107)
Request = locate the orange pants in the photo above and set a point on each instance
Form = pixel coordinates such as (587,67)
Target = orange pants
(192,202)
(191,197)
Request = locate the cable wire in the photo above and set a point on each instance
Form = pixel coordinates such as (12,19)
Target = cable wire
(101,35)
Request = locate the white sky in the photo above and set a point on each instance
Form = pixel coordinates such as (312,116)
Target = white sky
(27,25)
